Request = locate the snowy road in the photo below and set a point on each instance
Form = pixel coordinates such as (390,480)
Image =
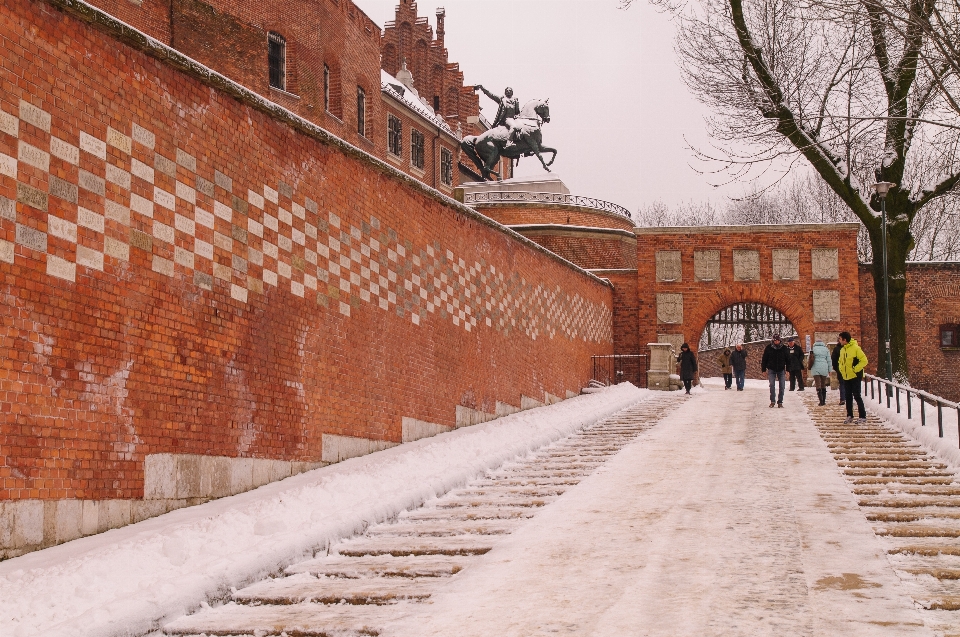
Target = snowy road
(728,518)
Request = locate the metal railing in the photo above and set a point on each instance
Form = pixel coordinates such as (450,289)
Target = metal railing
(893,391)
(508,196)
(611,369)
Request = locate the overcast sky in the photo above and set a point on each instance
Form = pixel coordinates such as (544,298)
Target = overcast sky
(619,111)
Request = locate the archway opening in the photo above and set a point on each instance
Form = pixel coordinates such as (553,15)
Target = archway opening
(744,323)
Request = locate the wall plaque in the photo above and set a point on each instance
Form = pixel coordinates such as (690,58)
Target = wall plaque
(786,265)
(826,305)
(706,265)
(668,265)
(746,265)
(825,263)
(670,308)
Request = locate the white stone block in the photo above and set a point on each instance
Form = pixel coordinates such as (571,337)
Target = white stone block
(160,476)
(413,429)
(91,517)
(35,115)
(93,145)
(118,140)
(33,156)
(526,402)
(21,524)
(337,448)
(467,416)
(9,124)
(786,265)
(61,268)
(706,265)
(669,266)
(505,409)
(826,305)
(62,520)
(65,151)
(89,258)
(826,263)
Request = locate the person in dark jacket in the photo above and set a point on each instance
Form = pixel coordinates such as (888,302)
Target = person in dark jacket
(774,363)
(725,368)
(688,366)
(738,361)
(795,364)
(835,359)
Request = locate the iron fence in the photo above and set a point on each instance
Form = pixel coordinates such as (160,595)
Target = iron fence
(612,369)
(546,198)
(893,391)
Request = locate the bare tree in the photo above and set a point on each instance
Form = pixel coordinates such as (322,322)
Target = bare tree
(844,87)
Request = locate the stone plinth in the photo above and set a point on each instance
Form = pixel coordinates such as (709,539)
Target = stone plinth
(661,364)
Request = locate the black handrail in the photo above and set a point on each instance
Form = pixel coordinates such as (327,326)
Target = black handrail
(925,397)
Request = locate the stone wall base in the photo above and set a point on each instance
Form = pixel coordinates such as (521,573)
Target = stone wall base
(173,481)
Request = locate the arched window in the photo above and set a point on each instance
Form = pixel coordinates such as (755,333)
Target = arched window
(277,60)
(744,323)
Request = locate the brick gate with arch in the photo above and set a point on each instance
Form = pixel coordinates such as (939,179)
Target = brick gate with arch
(808,272)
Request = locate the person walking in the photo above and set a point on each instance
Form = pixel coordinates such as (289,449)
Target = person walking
(819,365)
(726,369)
(774,364)
(852,362)
(795,364)
(835,358)
(738,361)
(688,366)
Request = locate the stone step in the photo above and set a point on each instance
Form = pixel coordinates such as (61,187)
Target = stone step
(906,473)
(890,464)
(443,527)
(904,480)
(305,587)
(527,482)
(471,513)
(922,514)
(494,502)
(938,573)
(930,489)
(510,491)
(918,531)
(302,620)
(382,566)
(450,545)
(927,550)
(944,602)
(909,502)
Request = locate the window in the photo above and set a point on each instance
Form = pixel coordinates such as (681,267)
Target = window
(394,135)
(326,88)
(361,112)
(446,167)
(436,103)
(416,148)
(949,336)
(277,59)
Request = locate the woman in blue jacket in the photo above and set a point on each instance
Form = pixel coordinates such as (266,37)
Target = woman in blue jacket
(819,366)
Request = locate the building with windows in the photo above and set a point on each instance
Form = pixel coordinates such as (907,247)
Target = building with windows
(323,60)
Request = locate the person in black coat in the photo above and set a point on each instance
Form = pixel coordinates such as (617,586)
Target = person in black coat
(835,359)
(774,363)
(795,364)
(688,366)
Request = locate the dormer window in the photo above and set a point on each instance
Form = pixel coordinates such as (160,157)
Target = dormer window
(277,59)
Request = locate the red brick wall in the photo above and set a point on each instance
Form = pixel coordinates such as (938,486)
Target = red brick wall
(587,249)
(186,272)
(933,299)
(525,214)
(701,300)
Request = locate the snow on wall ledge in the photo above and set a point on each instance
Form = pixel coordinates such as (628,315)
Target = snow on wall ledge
(197,553)
(190,271)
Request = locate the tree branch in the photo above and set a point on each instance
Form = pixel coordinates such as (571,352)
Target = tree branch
(939,190)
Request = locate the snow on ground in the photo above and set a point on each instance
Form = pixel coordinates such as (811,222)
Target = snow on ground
(127,581)
(727,518)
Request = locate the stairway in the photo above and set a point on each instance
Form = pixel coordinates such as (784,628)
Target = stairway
(913,501)
(358,585)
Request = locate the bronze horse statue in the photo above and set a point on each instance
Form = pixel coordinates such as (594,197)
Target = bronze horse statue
(520,137)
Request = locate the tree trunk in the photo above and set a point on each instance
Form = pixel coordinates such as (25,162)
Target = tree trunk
(899,244)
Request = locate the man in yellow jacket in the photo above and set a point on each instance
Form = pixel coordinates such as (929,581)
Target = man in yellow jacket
(851,364)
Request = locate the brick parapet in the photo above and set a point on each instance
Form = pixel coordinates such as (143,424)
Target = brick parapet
(589,248)
(517,213)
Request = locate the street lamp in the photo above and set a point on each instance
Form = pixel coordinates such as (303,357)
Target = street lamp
(882,188)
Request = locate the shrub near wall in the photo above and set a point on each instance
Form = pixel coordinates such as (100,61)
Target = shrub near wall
(184,272)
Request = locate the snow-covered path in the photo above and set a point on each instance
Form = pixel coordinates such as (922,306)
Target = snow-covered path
(728,518)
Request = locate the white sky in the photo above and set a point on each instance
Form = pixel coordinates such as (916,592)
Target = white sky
(619,111)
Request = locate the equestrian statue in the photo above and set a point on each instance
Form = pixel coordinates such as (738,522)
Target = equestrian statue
(515,133)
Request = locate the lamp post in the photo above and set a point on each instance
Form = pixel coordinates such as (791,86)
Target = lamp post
(882,188)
